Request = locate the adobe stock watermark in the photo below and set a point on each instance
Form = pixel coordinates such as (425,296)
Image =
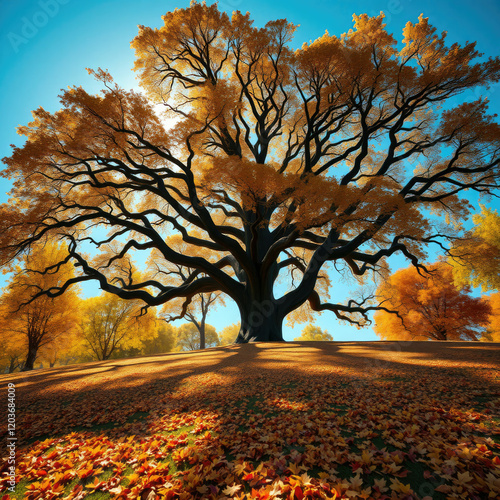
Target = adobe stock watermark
(33,23)
(11,437)
(229,3)
(391,8)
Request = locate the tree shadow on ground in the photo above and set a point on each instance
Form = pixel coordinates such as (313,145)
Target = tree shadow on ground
(118,383)
(119,399)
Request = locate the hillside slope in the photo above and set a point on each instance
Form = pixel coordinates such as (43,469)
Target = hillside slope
(246,419)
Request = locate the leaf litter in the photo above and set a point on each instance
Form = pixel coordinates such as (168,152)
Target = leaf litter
(298,420)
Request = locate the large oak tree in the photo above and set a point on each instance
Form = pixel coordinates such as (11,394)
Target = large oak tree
(283,163)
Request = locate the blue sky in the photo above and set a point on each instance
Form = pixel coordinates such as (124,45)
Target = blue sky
(47,44)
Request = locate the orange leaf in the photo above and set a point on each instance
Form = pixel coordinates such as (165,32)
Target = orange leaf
(443,488)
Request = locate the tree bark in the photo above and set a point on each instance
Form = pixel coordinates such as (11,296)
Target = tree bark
(202,335)
(14,363)
(260,322)
(30,359)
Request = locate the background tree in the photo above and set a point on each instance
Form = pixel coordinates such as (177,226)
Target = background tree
(312,332)
(492,333)
(476,259)
(283,162)
(77,352)
(195,311)
(41,321)
(188,337)
(109,323)
(12,344)
(164,340)
(192,308)
(54,353)
(430,307)
(229,334)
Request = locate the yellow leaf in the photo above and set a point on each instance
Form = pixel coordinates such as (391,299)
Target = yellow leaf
(399,487)
(231,490)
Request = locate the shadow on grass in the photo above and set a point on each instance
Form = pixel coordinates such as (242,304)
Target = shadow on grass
(126,397)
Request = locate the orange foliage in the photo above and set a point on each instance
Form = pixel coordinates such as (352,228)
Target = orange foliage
(39,323)
(493,331)
(430,307)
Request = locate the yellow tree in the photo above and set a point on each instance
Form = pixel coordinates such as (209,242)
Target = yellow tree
(109,323)
(476,260)
(188,338)
(229,334)
(164,340)
(12,343)
(61,349)
(77,351)
(429,307)
(312,332)
(195,310)
(41,320)
(282,161)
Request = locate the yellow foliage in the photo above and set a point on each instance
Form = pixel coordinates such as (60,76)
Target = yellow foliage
(477,260)
(109,322)
(45,322)
(312,332)
(188,337)
(228,334)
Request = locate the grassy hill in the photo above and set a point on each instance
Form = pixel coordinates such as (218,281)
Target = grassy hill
(278,420)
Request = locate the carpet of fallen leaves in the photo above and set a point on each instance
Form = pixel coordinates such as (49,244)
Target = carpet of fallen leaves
(381,420)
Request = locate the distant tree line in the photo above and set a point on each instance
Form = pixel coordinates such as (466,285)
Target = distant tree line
(427,302)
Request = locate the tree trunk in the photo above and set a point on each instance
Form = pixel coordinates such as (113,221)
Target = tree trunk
(202,335)
(260,322)
(30,359)
(441,334)
(14,363)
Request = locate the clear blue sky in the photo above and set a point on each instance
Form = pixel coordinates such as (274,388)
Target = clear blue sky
(47,44)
